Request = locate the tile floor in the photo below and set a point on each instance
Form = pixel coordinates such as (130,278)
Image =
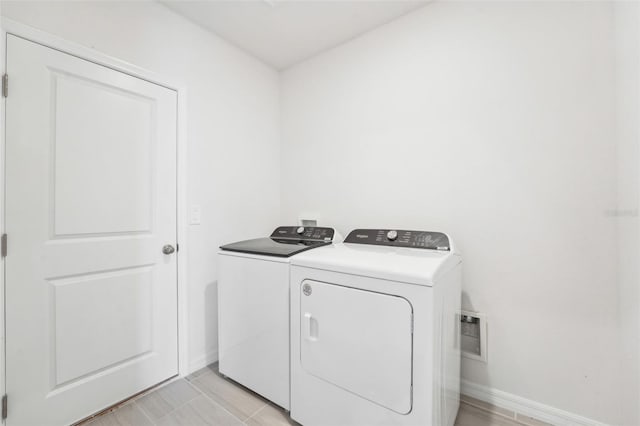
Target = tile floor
(206,399)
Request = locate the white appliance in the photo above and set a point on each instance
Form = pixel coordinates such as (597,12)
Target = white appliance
(375,329)
(253,308)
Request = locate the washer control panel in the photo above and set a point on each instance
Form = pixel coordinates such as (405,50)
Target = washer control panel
(400,238)
(303,233)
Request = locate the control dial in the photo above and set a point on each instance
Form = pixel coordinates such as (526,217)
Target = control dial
(300,230)
(392,235)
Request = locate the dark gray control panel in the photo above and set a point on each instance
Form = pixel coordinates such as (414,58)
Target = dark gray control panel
(400,238)
(303,233)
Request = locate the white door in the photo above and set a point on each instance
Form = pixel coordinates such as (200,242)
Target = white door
(358,340)
(91,303)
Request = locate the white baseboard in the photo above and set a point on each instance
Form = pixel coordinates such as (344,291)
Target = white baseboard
(524,406)
(203,360)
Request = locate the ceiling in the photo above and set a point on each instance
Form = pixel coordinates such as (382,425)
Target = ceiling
(282,33)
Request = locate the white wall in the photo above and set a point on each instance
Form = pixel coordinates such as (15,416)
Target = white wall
(233,127)
(627,32)
(493,122)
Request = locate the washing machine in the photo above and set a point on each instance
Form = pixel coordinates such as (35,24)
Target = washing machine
(375,331)
(253,307)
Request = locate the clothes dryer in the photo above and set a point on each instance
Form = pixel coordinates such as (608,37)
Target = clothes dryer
(375,331)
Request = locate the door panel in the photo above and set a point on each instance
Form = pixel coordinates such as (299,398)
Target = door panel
(85,306)
(91,314)
(358,340)
(114,138)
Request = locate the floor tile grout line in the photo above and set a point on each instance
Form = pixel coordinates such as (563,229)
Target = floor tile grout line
(257,411)
(218,404)
(192,386)
(173,409)
(156,388)
(260,397)
(169,412)
(131,401)
(248,391)
(144,413)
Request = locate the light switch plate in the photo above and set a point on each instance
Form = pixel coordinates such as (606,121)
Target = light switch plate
(195,214)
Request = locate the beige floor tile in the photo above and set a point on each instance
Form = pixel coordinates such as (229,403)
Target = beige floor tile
(159,403)
(128,415)
(107,419)
(155,406)
(200,412)
(240,402)
(472,416)
(225,403)
(209,369)
(271,415)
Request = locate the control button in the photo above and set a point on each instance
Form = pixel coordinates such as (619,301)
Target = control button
(392,235)
(300,229)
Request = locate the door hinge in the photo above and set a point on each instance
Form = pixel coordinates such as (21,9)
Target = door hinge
(4,406)
(3,245)
(411,323)
(5,85)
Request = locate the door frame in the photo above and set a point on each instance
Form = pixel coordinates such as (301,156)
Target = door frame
(9,26)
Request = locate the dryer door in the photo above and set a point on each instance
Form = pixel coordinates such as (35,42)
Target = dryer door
(358,340)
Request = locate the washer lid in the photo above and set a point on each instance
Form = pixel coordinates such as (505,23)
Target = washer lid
(414,266)
(273,246)
(285,241)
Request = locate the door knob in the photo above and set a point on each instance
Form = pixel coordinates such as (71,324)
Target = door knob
(168,249)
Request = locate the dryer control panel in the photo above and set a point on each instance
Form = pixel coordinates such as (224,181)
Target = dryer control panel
(400,238)
(314,233)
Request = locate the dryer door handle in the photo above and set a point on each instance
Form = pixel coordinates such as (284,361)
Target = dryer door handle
(310,327)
